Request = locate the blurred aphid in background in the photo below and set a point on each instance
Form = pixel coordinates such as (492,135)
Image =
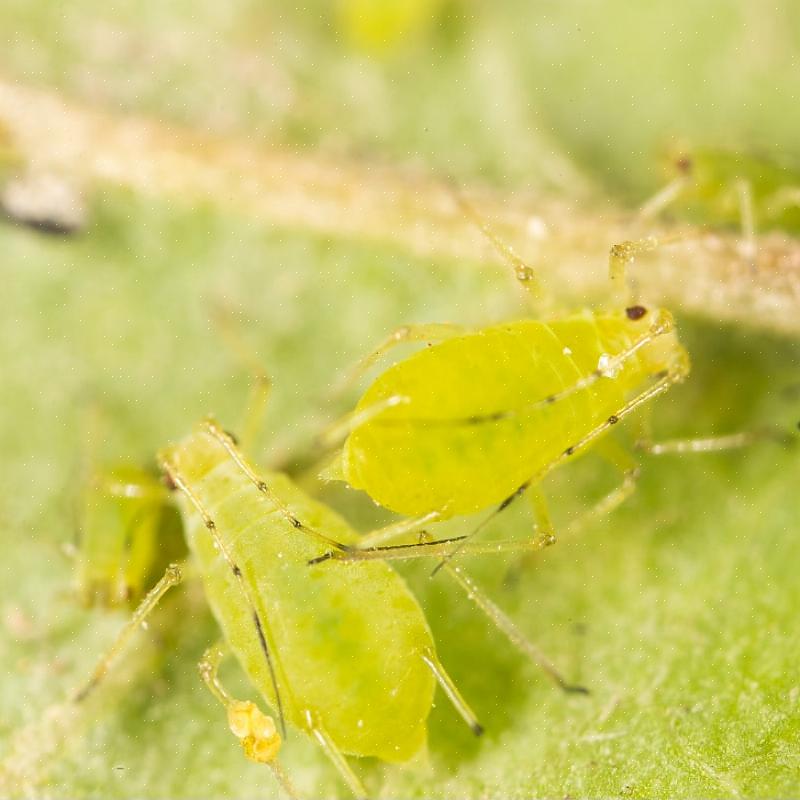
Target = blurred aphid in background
(379,26)
(728,188)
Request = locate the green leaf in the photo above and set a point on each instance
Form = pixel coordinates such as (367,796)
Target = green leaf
(678,611)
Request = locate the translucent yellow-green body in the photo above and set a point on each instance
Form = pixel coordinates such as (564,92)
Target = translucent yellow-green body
(716,178)
(379,24)
(442,450)
(129,532)
(346,639)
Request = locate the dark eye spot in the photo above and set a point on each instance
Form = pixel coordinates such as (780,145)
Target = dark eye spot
(232,437)
(166,479)
(635,312)
(684,164)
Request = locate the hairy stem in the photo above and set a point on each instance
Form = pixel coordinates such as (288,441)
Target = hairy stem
(706,274)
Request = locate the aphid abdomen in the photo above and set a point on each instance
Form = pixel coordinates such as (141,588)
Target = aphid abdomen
(478,423)
(346,640)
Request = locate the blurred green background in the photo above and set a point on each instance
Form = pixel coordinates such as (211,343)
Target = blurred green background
(679,611)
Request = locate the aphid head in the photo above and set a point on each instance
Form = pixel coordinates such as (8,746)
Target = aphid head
(684,164)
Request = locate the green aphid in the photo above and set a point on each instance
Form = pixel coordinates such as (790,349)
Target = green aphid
(479,418)
(129,531)
(720,187)
(484,413)
(380,25)
(339,651)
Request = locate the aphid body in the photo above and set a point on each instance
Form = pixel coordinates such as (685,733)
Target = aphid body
(480,415)
(725,187)
(377,25)
(129,532)
(346,646)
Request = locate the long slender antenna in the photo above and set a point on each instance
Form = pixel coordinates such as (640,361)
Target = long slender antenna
(211,526)
(524,273)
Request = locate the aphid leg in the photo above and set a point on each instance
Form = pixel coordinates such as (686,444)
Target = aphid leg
(429,332)
(543,524)
(663,198)
(397,529)
(707,444)
(172,577)
(544,531)
(451,690)
(256,731)
(323,739)
(253,420)
(524,273)
(613,452)
(748,219)
(506,626)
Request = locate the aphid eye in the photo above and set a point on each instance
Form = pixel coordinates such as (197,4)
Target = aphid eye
(166,479)
(684,164)
(232,437)
(635,312)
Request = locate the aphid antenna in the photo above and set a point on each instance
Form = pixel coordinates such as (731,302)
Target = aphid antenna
(436,547)
(523,272)
(211,427)
(211,527)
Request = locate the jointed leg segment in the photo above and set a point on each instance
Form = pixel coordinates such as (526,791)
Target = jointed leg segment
(172,577)
(451,690)
(323,739)
(256,731)
(510,629)
(705,444)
